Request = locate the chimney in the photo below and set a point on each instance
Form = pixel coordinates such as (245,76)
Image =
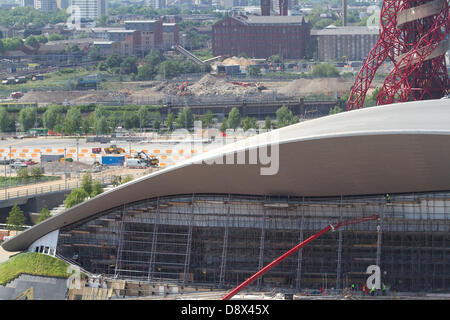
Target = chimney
(344,13)
(265,7)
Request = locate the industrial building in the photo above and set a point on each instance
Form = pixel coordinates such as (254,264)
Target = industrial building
(215,220)
(261,36)
(352,43)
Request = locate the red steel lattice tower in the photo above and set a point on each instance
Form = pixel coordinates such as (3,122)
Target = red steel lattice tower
(414,37)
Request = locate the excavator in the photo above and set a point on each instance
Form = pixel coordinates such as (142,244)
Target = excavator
(182,88)
(150,160)
(114,149)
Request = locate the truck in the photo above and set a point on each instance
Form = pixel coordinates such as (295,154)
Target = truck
(114,149)
(96,150)
(134,163)
(16,95)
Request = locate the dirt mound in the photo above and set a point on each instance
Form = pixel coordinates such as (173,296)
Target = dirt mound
(326,86)
(212,86)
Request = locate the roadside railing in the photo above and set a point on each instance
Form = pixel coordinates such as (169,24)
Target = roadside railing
(68,185)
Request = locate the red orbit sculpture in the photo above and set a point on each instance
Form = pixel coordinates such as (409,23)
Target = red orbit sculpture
(414,37)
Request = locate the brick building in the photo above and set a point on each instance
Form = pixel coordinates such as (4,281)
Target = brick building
(151,34)
(261,36)
(354,43)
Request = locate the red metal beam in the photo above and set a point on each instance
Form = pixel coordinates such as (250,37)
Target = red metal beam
(293,250)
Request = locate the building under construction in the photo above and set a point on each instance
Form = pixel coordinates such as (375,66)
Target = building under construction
(213,221)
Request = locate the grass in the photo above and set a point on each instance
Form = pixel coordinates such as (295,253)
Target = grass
(37,264)
(16,181)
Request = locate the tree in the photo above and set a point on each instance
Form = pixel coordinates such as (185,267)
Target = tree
(97,188)
(146,72)
(31,41)
(157,124)
(27,118)
(22,174)
(249,123)
(325,70)
(285,117)
(114,60)
(224,125)
(268,123)
(72,121)
(234,118)
(4,120)
(101,125)
(86,183)
(335,110)
(36,172)
(185,118)
(130,120)
(170,120)
(16,219)
(254,71)
(129,65)
(143,116)
(75,197)
(276,58)
(45,214)
(50,117)
(207,119)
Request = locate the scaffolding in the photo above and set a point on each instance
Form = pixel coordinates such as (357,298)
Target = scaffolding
(221,240)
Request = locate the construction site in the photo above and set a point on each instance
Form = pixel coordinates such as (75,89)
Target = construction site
(355,190)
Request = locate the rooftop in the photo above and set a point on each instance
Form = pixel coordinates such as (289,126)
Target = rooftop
(333,30)
(268,20)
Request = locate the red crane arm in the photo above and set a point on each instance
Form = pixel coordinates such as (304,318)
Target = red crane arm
(293,250)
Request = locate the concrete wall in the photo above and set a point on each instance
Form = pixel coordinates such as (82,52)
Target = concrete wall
(32,204)
(45,288)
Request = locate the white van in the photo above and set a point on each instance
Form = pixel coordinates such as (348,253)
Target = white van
(135,163)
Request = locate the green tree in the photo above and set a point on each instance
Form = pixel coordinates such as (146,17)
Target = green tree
(249,123)
(224,125)
(207,119)
(50,117)
(130,120)
(22,174)
(4,120)
(234,118)
(185,118)
(113,60)
(97,188)
(285,117)
(146,72)
(72,120)
(16,219)
(27,118)
(335,110)
(268,123)
(31,41)
(86,182)
(157,125)
(170,120)
(129,65)
(36,172)
(75,197)
(101,125)
(143,116)
(44,214)
(325,70)
(254,71)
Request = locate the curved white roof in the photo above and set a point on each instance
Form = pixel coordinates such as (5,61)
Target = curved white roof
(398,148)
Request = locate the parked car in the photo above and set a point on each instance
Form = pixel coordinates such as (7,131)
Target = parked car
(18,165)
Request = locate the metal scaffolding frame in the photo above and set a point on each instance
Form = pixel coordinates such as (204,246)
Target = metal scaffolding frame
(220,240)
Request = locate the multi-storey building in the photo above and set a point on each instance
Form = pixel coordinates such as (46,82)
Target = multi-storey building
(352,43)
(170,35)
(261,36)
(45,5)
(151,33)
(91,9)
